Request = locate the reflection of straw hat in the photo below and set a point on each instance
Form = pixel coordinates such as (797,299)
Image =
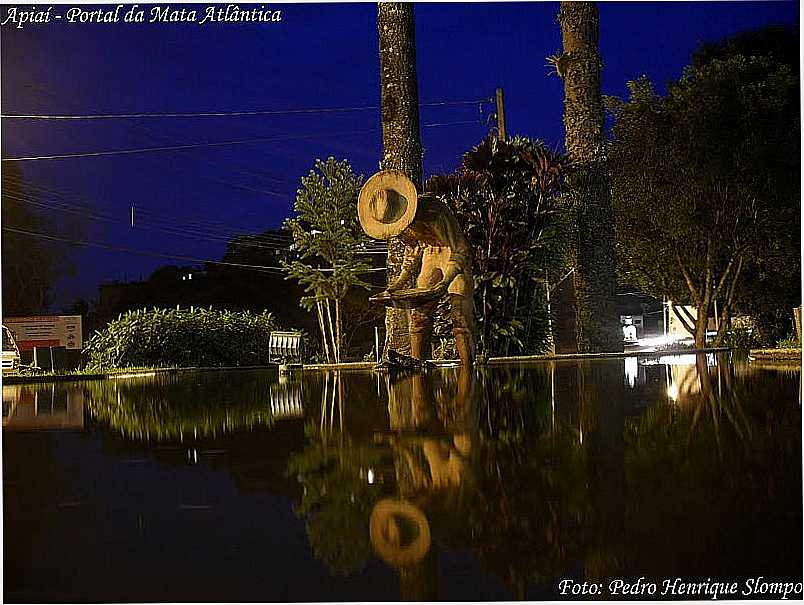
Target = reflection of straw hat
(387,204)
(399,532)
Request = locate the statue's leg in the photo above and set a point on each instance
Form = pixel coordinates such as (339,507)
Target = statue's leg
(421,329)
(463,327)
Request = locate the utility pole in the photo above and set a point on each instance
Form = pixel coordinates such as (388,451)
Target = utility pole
(501,134)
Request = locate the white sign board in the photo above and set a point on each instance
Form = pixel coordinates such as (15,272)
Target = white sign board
(46,331)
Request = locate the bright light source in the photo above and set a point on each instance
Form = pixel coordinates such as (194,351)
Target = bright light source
(659,341)
(370,476)
(678,360)
(672,391)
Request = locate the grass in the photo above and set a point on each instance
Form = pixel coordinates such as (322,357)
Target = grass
(33,371)
(791,342)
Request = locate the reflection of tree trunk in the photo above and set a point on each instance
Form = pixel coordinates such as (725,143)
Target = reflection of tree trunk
(598,389)
(419,582)
(707,400)
(402,149)
(597,326)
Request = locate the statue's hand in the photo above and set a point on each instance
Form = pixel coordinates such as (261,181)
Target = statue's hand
(394,287)
(438,290)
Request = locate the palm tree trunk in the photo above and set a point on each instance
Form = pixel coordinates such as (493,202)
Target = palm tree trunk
(401,137)
(596,318)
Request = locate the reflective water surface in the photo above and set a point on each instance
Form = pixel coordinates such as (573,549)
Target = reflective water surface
(456,485)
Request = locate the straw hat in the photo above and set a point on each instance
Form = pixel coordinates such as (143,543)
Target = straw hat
(389,526)
(387,204)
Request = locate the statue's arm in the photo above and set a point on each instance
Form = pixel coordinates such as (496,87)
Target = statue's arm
(460,254)
(411,262)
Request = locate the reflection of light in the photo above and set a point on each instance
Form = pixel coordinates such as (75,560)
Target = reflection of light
(658,341)
(631,371)
(672,391)
(137,375)
(687,360)
(677,360)
(370,476)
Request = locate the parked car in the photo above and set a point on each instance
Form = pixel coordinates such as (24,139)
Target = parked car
(11,354)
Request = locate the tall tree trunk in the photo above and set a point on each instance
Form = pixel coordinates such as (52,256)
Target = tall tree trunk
(333,344)
(596,319)
(338,346)
(401,138)
(701,323)
(323,330)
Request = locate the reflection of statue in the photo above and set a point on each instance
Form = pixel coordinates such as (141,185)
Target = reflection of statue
(436,254)
(399,532)
(432,444)
(433,438)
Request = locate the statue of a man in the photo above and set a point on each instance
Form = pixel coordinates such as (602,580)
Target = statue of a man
(437,255)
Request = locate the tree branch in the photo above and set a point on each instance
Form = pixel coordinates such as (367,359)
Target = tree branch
(687,326)
(724,277)
(690,284)
(689,316)
(726,312)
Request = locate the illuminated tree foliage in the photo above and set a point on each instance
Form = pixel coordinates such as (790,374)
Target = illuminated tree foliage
(507,198)
(327,234)
(705,179)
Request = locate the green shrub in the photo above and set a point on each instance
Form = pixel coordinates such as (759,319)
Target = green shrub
(791,342)
(182,338)
(741,338)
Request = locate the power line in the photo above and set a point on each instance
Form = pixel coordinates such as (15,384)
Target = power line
(217,228)
(152,228)
(271,241)
(239,241)
(215,114)
(215,144)
(31,198)
(261,268)
(267,241)
(172,147)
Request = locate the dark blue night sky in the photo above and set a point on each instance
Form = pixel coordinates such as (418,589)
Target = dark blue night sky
(319,56)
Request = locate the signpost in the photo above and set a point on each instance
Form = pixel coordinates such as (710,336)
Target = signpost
(46,331)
